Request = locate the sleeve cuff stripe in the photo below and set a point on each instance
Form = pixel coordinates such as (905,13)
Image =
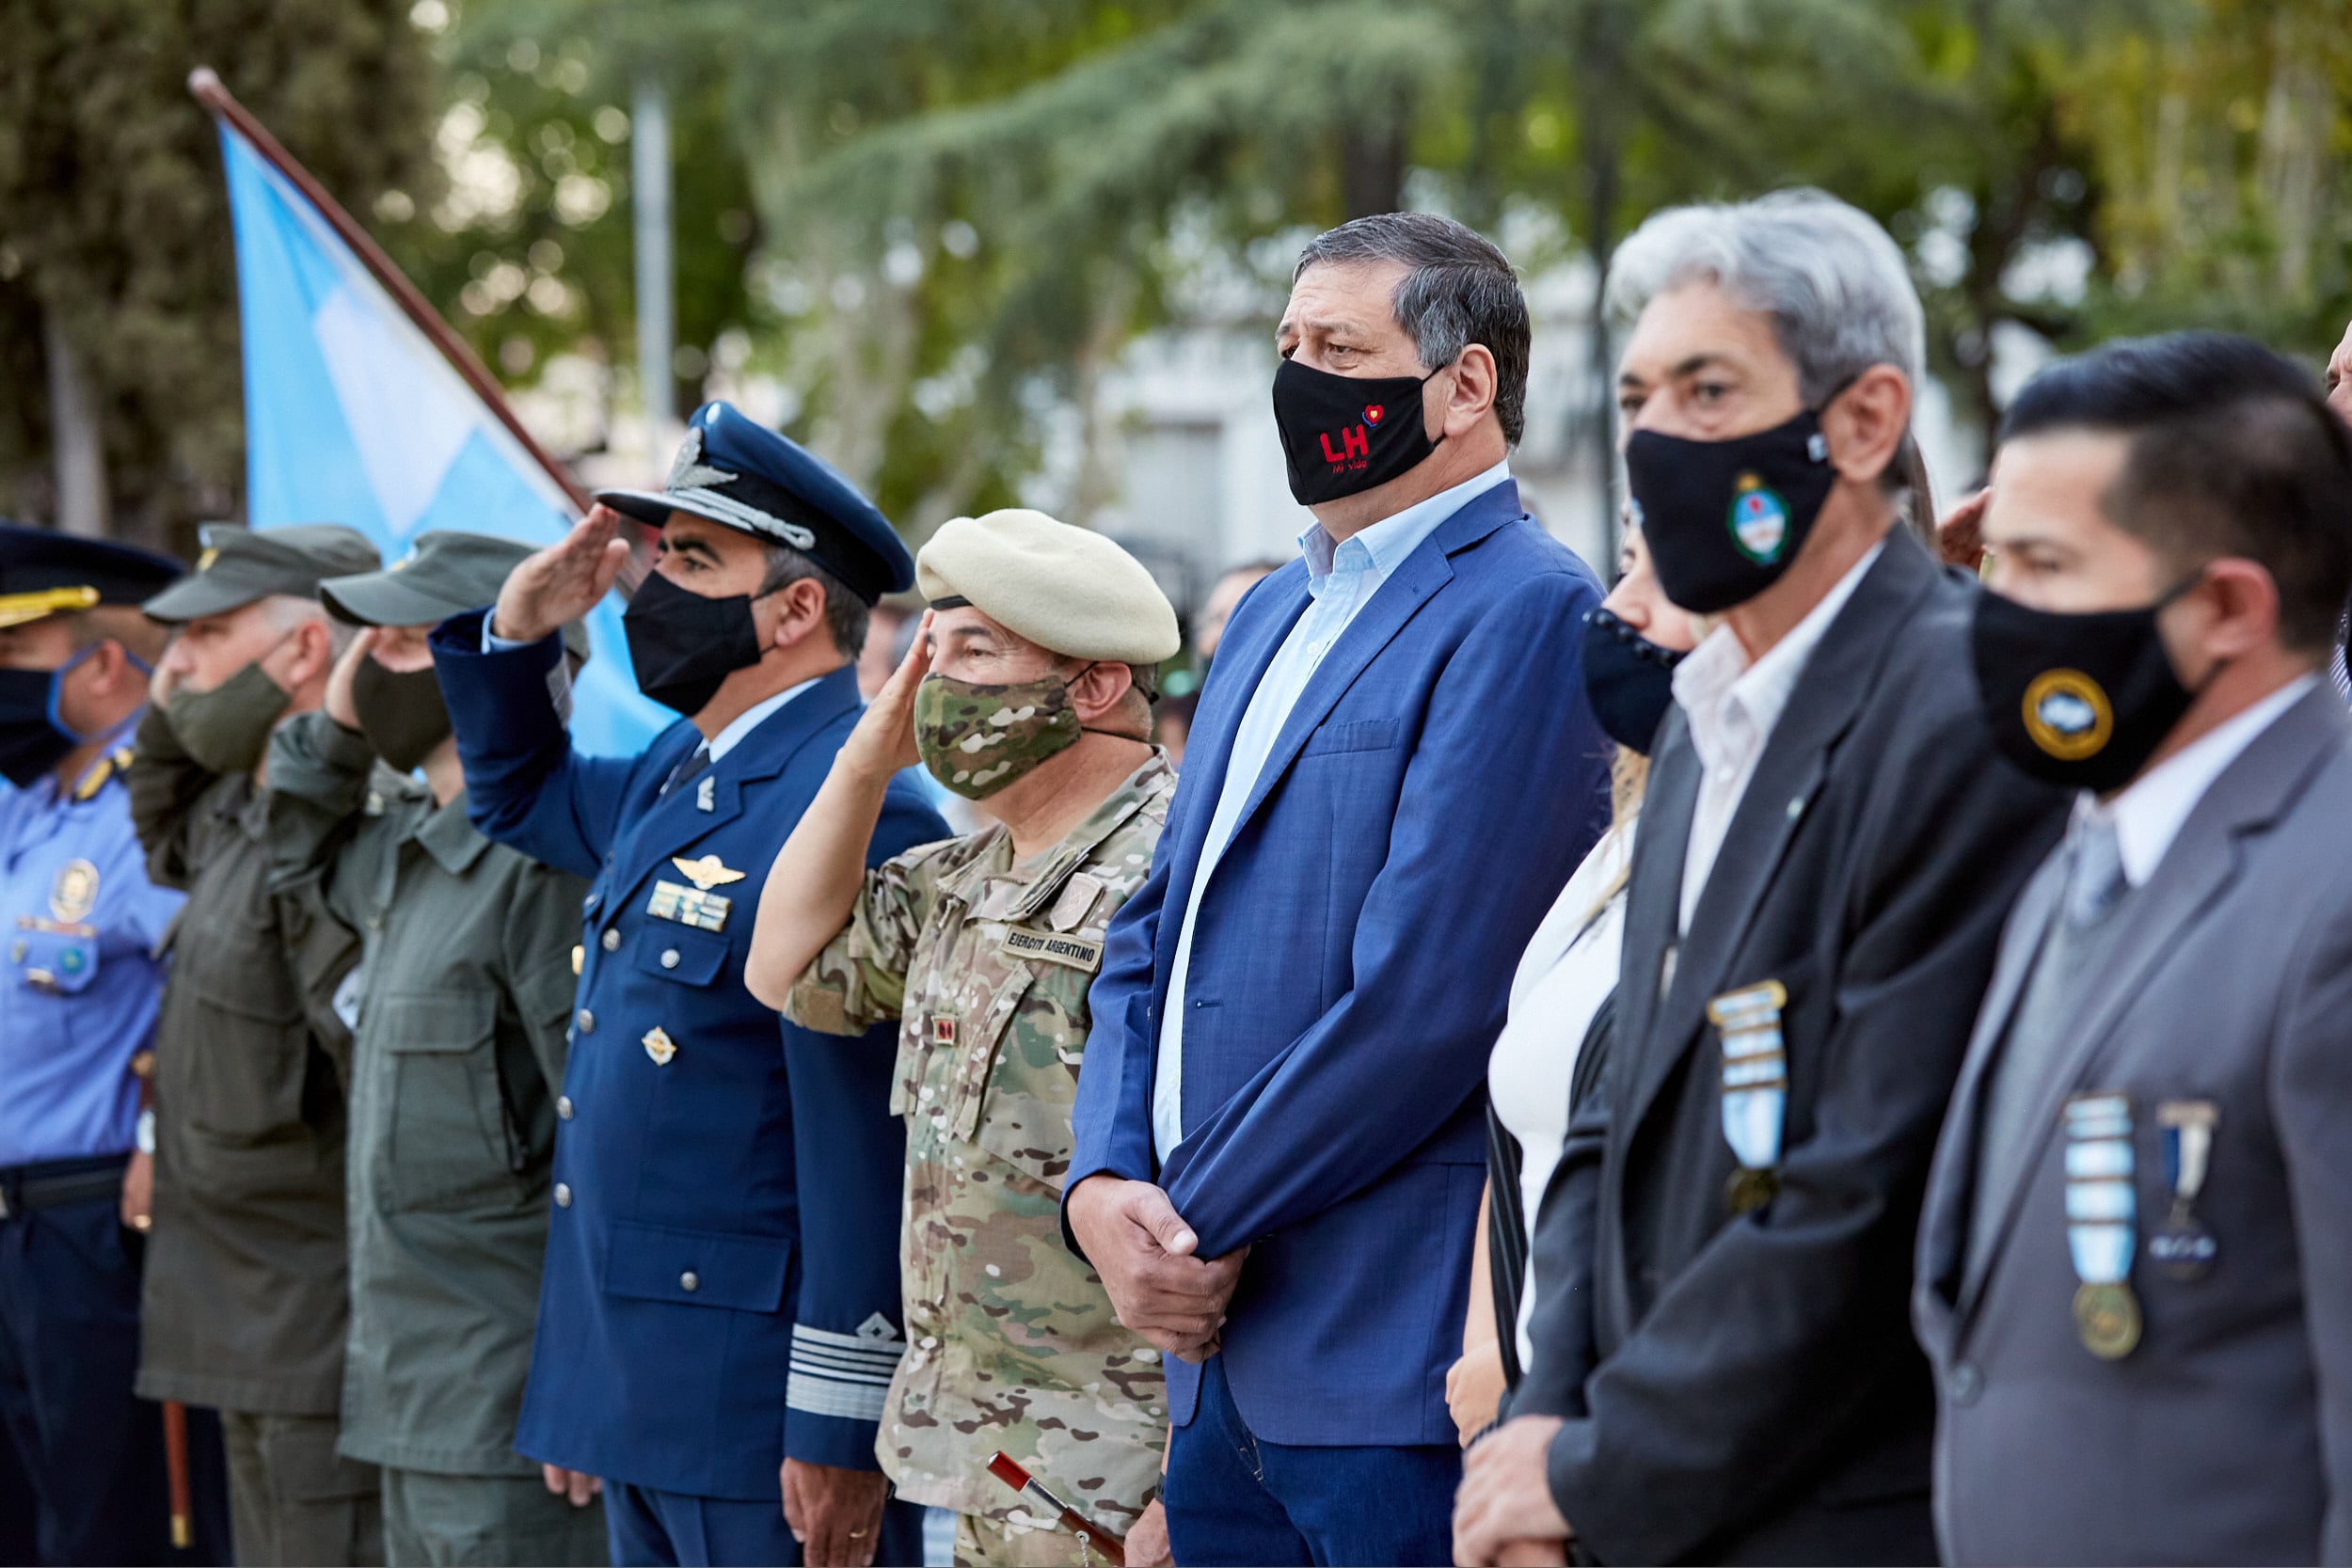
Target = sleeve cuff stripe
(887,1356)
(805,1336)
(844,1402)
(832,1372)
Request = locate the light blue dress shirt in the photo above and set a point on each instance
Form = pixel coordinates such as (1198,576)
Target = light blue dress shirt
(81,987)
(1341,581)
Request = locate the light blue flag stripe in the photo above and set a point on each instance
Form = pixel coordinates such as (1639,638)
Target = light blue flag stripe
(351,416)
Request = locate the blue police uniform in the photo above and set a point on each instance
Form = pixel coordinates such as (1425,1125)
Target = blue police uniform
(80,931)
(721,1281)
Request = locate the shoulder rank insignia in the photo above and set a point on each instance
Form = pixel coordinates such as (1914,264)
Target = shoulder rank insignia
(74,892)
(705,873)
(660,1046)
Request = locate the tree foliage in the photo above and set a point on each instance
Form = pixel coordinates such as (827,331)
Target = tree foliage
(113,225)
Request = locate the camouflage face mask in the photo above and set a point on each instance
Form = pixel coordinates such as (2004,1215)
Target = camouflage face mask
(977,739)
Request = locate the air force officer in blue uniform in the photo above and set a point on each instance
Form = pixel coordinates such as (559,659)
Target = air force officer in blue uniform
(721,1300)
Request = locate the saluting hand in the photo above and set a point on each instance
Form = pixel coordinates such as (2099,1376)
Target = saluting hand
(884,742)
(563,581)
(340,706)
(1959,537)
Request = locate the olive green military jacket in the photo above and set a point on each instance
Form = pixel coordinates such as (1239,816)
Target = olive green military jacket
(464,987)
(1012,1341)
(244,1278)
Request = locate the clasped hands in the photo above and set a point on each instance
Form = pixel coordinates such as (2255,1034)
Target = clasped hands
(1143,1249)
(1503,1512)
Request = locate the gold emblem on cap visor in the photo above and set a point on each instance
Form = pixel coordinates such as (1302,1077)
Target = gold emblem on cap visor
(204,561)
(17,609)
(2068,715)
(705,873)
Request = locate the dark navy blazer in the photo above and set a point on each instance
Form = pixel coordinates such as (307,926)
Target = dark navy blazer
(727,1224)
(1439,778)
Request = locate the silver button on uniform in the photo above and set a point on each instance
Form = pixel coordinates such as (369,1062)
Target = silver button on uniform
(611,939)
(563,1106)
(562,1195)
(587,1021)
(689,1282)
(669,957)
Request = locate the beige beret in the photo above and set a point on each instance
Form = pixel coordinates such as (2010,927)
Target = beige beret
(1068,589)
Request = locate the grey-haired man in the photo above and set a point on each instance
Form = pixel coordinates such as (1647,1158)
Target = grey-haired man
(1723,1367)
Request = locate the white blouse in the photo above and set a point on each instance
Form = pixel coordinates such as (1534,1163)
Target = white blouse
(1567,972)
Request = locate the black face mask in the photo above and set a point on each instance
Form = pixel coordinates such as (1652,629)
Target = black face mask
(685,646)
(1629,679)
(2082,701)
(400,712)
(1345,435)
(33,738)
(1724,518)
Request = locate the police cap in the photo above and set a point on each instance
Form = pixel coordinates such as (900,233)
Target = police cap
(444,574)
(239,566)
(42,572)
(751,478)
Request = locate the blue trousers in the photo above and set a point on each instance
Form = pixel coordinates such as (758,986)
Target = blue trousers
(90,1454)
(1232,1497)
(648,1529)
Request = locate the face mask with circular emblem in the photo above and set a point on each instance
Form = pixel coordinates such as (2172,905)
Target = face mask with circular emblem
(1724,519)
(2077,700)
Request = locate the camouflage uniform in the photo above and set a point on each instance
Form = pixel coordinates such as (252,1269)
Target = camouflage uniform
(1012,1343)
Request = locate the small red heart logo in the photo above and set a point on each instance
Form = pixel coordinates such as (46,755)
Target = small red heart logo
(1372,412)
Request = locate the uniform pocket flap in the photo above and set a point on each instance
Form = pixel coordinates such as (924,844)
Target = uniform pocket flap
(446,1020)
(698,1268)
(680,952)
(1363,735)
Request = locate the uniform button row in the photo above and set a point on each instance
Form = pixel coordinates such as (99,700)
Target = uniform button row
(563,1106)
(562,1195)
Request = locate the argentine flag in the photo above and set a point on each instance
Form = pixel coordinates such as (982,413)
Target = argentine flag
(351,416)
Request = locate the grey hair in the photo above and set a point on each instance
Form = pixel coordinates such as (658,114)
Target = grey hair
(846,614)
(286,611)
(1835,284)
(1457,290)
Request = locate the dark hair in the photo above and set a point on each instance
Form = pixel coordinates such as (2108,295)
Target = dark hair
(1906,479)
(1459,290)
(2233,453)
(846,614)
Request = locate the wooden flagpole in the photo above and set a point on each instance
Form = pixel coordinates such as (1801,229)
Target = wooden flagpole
(207,89)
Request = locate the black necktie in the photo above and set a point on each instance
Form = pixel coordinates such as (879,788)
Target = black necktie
(688,766)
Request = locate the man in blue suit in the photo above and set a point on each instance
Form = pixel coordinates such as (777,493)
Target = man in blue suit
(1391,773)
(719,1316)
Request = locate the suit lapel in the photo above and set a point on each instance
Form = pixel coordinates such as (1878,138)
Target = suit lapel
(1953,1183)
(1250,643)
(2254,791)
(1829,692)
(1393,603)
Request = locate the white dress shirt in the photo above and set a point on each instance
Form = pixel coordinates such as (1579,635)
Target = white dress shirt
(1567,972)
(2150,811)
(1732,706)
(1341,578)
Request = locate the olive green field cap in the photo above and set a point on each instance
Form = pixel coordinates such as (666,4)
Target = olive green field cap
(444,574)
(240,566)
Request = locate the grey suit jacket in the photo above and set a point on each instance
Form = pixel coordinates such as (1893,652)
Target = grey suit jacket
(2226,1436)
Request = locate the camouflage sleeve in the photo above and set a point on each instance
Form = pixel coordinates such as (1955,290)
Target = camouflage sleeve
(860,979)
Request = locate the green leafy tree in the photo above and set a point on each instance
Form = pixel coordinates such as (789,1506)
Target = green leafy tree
(116,273)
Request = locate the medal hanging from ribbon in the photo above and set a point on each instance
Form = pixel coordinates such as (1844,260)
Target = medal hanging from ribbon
(1756,1089)
(2184,1248)
(2102,1219)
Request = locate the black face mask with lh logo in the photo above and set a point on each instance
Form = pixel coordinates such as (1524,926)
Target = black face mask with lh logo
(1343,434)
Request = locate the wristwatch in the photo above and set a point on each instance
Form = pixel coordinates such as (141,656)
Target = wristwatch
(146,1134)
